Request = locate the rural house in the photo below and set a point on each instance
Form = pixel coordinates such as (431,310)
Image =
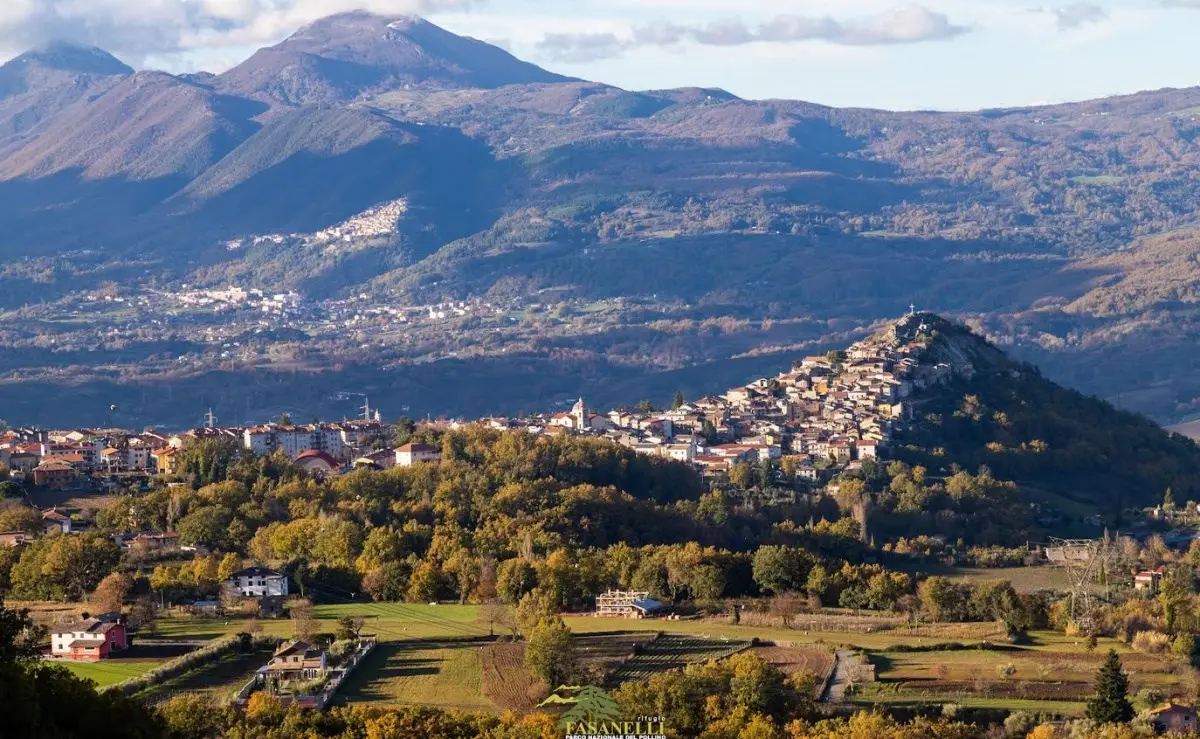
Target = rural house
(1148,580)
(297,660)
(256,582)
(54,521)
(89,638)
(1173,718)
(410,454)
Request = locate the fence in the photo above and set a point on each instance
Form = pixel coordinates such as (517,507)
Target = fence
(320,701)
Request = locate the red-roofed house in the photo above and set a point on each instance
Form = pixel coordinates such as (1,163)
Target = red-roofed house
(56,522)
(53,473)
(410,454)
(89,639)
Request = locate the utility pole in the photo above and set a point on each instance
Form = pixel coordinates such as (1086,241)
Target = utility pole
(210,421)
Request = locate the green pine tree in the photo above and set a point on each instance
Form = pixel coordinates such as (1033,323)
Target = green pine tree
(680,399)
(1111,703)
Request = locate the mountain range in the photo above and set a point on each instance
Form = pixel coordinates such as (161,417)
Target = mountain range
(684,231)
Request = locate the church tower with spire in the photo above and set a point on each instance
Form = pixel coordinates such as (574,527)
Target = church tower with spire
(579,411)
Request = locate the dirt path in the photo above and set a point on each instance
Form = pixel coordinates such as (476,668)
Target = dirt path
(840,679)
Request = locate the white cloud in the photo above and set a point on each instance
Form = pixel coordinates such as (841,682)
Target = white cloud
(1077,15)
(902,24)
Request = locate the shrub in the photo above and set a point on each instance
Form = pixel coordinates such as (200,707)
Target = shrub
(1148,698)
(1019,724)
(1184,646)
(1151,642)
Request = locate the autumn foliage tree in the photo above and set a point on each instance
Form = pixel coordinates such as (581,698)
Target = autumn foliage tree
(109,596)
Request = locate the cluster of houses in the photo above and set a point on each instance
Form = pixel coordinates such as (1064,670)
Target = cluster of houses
(87,458)
(828,413)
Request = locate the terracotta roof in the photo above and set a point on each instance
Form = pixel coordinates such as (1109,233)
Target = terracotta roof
(53,465)
(292,648)
(411,447)
(318,454)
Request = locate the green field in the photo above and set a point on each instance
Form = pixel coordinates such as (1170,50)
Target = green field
(108,672)
(719,631)
(672,652)
(447,675)
(1023,579)
(391,621)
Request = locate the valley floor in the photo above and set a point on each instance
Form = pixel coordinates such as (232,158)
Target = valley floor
(443,655)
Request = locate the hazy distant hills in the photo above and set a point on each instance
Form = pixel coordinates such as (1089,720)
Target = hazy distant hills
(692,210)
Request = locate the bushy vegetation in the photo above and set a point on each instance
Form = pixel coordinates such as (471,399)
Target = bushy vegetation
(1046,437)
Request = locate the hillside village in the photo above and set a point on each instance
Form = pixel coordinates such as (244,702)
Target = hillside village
(825,415)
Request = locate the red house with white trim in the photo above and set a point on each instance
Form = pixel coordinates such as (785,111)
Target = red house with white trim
(89,639)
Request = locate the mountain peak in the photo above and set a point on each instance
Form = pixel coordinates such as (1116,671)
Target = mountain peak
(68,56)
(345,56)
(361,20)
(946,342)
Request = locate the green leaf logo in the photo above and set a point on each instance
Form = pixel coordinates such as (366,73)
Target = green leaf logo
(589,705)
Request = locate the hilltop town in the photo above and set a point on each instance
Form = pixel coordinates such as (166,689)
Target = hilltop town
(825,415)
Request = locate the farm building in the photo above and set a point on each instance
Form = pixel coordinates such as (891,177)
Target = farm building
(1148,580)
(90,638)
(1173,718)
(627,604)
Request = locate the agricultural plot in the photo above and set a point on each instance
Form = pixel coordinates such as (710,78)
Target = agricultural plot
(605,652)
(807,660)
(1054,674)
(442,674)
(1023,579)
(887,636)
(216,681)
(672,652)
(109,672)
(506,682)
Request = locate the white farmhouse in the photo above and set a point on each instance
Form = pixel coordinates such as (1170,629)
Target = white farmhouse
(257,582)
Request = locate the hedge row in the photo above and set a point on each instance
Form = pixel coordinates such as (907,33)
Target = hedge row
(190,661)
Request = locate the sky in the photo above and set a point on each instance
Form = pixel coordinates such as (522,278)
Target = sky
(924,54)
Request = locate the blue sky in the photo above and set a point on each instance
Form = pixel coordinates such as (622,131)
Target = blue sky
(946,54)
